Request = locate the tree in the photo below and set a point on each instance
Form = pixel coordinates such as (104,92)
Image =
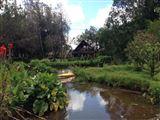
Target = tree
(125,19)
(50,27)
(90,36)
(31,29)
(135,9)
(2,3)
(154,28)
(144,51)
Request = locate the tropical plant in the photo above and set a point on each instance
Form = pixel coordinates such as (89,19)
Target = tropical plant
(38,93)
(48,92)
(41,92)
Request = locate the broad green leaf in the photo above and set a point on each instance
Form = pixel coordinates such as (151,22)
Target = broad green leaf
(40,107)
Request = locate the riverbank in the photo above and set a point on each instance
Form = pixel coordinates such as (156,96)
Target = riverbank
(90,101)
(123,76)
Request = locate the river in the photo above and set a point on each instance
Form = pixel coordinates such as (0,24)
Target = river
(98,102)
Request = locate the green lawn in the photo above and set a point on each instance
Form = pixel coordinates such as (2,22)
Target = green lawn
(123,76)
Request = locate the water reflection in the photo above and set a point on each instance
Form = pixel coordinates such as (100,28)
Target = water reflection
(92,102)
(86,106)
(102,102)
(76,101)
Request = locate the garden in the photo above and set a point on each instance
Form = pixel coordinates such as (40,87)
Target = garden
(115,68)
(33,89)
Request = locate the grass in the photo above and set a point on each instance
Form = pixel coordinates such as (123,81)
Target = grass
(123,76)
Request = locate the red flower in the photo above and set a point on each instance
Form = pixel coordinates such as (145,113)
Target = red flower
(11,45)
(3,47)
(3,51)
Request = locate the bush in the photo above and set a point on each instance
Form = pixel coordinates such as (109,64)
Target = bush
(39,93)
(144,51)
(46,65)
(36,66)
(104,59)
(154,92)
(79,63)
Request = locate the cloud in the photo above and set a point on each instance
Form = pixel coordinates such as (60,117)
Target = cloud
(76,13)
(76,101)
(73,12)
(101,16)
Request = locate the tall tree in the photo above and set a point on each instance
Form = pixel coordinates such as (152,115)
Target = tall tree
(125,19)
(36,29)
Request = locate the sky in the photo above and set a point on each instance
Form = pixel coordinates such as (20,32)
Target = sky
(86,13)
(83,13)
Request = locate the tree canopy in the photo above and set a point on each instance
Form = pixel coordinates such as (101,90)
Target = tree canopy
(35,29)
(126,18)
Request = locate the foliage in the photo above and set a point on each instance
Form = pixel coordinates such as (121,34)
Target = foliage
(154,28)
(90,36)
(36,29)
(114,40)
(39,92)
(36,66)
(104,59)
(4,92)
(144,9)
(125,19)
(48,94)
(46,65)
(123,76)
(154,92)
(99,61)
(80,63)
(145,49)
(117,76)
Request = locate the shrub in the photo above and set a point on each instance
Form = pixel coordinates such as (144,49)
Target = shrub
(36,66)
(41,93)
(104,59)
(154,92)
(48,92)
(46,65)
(145,50)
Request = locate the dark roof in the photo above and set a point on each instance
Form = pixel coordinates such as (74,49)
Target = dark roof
(81,45)
(83,48)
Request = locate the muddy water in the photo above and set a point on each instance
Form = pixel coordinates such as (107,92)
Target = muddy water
(95,102)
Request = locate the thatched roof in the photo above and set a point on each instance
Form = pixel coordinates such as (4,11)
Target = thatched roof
(83,48)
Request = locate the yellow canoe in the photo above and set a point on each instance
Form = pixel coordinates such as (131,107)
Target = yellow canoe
(66,75)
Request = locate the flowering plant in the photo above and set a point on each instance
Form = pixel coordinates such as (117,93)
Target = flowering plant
(4,50)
